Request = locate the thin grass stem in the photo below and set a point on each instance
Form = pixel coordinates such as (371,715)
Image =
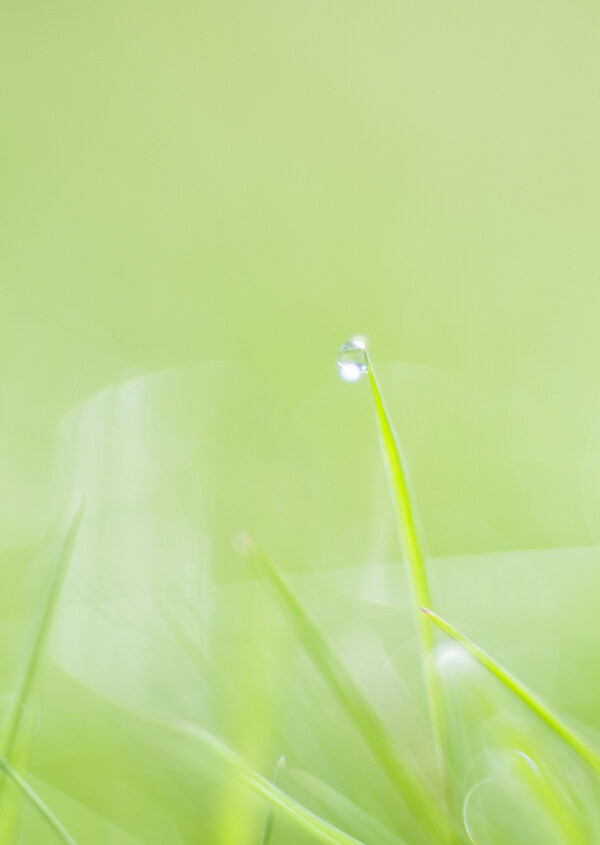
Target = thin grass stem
(530,698)
(34,799)
(326,796)
(305,818)
(58,577)
(271,814)
(24,690)
(415,795)
(409,539)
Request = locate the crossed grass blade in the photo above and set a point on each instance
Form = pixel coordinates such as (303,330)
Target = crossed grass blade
(328,797)
(305,818)
(37,803)
(417,798)
(55,588)
(24,691)
(266,837)
(521,690)
(409,539)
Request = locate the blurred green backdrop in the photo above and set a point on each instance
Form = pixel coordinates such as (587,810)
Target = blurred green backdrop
(198,204)
(253,183)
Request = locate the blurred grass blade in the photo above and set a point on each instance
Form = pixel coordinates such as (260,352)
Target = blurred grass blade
(408,533)
(309,821)
(56,584)
(34,799)
(326,796)
(23,693)
(415,795)
(526,695)
(409,540)
(271,815)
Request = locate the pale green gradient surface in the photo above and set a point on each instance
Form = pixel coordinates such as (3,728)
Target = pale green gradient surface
(198,204)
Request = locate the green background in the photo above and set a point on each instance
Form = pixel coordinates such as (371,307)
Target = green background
(198,204)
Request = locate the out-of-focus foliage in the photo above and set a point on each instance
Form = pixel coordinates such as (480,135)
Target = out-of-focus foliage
(198,204)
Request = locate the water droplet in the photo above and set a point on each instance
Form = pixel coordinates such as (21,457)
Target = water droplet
(453,659)
(351,359)
(504,803)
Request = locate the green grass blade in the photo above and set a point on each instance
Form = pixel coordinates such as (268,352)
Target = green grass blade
(408,532)
(309,821)
(409,540)
(34,799)
(271,815)
(326,796)
(28,678)
(24,691)
(415,795)
(579,745)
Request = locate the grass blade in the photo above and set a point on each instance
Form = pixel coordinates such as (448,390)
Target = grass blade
(28,678)
(309,821)
(579,745)
(64,557)
(415,795)
(327,796)
(271,815)
(34,799)
(410,542)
